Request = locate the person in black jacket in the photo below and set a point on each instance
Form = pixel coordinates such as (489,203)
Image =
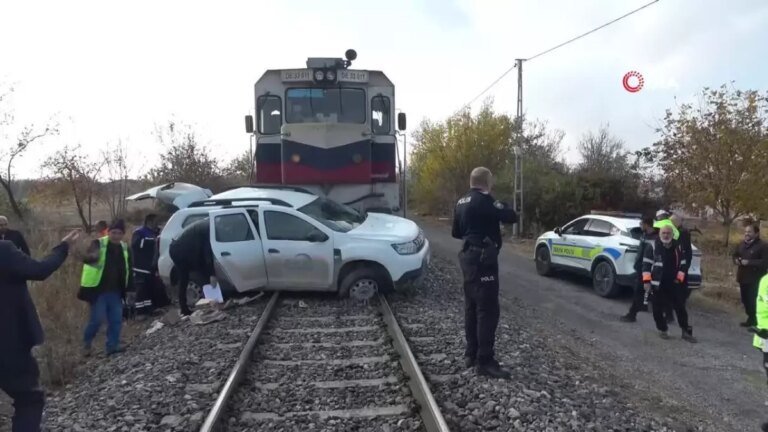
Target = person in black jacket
(144,251)
(20,329)
(191,251)
(751,255)
(476,221)
(664,269)
(649,236)
(685,243)
(13,236)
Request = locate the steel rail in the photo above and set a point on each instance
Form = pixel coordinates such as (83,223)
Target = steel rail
(430,412)
(237,372)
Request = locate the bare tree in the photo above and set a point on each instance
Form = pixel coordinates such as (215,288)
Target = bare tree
(81,174)
(185,159)
(12,152)
(603,153)
(116,175)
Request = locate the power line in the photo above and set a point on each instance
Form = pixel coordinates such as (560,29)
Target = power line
(552,49)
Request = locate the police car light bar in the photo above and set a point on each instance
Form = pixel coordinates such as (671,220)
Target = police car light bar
(617,214)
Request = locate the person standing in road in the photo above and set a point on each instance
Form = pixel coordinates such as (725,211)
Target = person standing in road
(684,240)
(191,251)
(20,329)
(662,218)
(104,282)
(13,236)
(649,236)
(664,269)
(476,221)
(751,257)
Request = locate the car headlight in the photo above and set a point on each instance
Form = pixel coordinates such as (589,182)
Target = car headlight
(411,247)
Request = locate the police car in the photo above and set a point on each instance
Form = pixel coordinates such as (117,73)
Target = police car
(285,238)
(603,246)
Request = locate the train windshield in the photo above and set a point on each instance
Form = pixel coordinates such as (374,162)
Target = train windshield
(325,105)
(335,216)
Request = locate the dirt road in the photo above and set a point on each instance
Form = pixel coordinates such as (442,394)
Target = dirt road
(718,382)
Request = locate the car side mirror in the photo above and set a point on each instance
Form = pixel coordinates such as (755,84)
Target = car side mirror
(558,231)
(249,124)
(317,237)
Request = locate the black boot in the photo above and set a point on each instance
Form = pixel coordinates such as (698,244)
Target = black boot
(688,336)
(628,318)
(492,369)
(469,361)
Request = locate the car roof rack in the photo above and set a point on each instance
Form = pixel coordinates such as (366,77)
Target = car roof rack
(618,214)
(224,202)
(273,186)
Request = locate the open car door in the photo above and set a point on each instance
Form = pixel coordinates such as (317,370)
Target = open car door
(180,195)
(237,249)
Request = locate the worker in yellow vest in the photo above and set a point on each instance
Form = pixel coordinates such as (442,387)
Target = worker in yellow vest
(106,277)
(663,219)
(760,340)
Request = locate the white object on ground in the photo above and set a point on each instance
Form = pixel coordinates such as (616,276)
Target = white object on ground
(213,293)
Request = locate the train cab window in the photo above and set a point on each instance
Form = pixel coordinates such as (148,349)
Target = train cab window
(269,114)
(325,105)
(380,115)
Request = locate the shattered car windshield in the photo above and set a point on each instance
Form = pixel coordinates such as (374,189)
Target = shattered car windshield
(335,216)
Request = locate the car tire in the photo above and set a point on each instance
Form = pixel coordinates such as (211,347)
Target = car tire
(362,283)
(543,261)
(604,280)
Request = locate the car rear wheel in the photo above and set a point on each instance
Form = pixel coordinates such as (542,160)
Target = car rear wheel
(361,284)
(604,280)
(543,261)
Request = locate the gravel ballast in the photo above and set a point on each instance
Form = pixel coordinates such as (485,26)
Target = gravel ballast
(319,361)
(551,388)
(169,379)
(165,381)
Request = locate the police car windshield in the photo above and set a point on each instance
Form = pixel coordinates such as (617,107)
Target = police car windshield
(335,216)
(325,105)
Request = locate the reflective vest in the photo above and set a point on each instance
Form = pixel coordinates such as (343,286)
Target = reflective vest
(761,313)
(92,273)
(665,222)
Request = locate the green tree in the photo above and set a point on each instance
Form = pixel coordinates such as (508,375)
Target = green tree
(715,153)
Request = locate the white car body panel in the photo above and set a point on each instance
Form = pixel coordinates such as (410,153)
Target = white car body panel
(275,264)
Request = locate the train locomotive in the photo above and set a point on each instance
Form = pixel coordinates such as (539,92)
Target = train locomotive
(331,130)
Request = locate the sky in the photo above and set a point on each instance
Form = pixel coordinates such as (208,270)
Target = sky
(111,71)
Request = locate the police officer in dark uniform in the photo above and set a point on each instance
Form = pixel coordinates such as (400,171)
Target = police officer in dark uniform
(476,221)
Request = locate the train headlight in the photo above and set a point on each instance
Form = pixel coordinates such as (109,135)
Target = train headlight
(330,75)
(296,158)
(319,75)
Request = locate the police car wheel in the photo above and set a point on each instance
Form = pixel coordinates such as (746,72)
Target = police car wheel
(543,261)
(604,280)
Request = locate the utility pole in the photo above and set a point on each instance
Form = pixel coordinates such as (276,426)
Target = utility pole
(518,200)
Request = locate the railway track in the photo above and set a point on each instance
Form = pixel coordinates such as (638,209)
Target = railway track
(320,364)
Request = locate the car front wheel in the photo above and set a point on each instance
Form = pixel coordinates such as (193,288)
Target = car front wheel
(543,261)
(361,284)
(604,280)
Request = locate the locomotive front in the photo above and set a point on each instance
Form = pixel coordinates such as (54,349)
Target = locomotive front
(331,130)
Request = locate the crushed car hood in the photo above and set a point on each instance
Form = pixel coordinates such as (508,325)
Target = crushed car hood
(382,226)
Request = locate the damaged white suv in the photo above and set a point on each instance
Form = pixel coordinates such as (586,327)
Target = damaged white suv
(284,238)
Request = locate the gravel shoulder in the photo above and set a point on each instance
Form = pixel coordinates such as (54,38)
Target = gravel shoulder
(717,384)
